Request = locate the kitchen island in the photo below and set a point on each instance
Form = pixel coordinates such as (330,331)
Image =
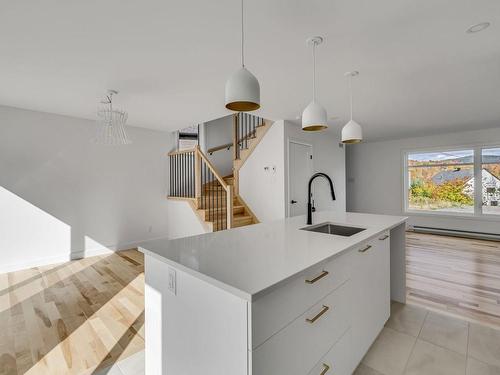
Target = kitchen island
(271,298)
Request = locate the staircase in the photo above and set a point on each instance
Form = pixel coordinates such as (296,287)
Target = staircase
(215,217)
(215,199)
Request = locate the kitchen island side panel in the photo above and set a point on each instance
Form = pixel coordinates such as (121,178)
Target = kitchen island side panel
(398,263)
(195,329)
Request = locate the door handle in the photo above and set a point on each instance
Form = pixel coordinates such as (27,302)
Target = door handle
(293,202)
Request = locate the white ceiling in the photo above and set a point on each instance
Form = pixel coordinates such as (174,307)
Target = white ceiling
(420,72)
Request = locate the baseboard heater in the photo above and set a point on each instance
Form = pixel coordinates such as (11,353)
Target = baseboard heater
(456,233)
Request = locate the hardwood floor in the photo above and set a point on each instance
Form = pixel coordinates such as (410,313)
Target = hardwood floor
(72,318)
(455,275)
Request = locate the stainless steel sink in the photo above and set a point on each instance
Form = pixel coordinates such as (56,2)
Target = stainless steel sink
(330,228)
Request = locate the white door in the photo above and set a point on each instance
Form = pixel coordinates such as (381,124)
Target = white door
(299,173)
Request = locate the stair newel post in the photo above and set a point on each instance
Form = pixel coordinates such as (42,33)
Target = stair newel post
(229,206)
(197,175)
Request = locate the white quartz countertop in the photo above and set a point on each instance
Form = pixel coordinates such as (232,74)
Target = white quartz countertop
(250,260)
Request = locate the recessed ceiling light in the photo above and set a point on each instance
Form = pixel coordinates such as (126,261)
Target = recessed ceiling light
(478,27)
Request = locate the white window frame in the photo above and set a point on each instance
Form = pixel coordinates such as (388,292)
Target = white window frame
(478,188)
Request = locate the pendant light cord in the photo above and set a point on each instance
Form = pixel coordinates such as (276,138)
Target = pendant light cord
(242,36)
(350,91)
(314,71)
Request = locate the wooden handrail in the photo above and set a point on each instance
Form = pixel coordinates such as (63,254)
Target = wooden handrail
(178,152)
(227,146)
(212,168)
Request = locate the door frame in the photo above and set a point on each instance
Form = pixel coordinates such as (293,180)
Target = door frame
(311,168)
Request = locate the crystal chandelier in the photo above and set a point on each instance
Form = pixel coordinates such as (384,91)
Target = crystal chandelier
(111,123)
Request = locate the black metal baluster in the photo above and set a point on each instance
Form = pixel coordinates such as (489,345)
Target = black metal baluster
(252,125)
(224,207)
(217,207)
(188,172)
(183,171)
(246,130)
(203,187)
(211,201)
(220,218)
(238,137)
(241,131)
(190,175)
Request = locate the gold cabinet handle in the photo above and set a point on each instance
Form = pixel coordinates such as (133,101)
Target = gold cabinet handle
(384,237)
(326,368)
(323,310)
(365,249)
(319,277)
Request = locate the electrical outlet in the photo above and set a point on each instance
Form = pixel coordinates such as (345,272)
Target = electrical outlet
(172,281)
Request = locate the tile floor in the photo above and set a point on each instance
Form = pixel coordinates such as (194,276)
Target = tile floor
(415,341)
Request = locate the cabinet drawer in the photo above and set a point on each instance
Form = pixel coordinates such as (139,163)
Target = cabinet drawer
(338,361)
(298,347)
(275,310)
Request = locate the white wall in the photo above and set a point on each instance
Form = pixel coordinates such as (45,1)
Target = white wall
(329,158)
(262,190)
(183,221)
(266,192)
(62,196)
(216,133)
(375,178)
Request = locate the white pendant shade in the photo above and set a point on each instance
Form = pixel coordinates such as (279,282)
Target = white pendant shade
(242,91)
(352,132)
(314,117)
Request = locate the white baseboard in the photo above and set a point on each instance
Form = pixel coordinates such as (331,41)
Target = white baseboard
(102,250)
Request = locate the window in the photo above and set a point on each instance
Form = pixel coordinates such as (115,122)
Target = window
(441,181)
(490,180)
(445,181)
(187,138)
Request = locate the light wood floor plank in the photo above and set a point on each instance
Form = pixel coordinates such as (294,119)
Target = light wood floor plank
(455,275)
(72,318)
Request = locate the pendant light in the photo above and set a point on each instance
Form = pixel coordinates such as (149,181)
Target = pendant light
(111,123)
(242,88)
(351,132)
(314,116)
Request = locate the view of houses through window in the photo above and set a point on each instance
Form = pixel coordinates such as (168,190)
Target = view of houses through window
(444,181)
(491,180)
